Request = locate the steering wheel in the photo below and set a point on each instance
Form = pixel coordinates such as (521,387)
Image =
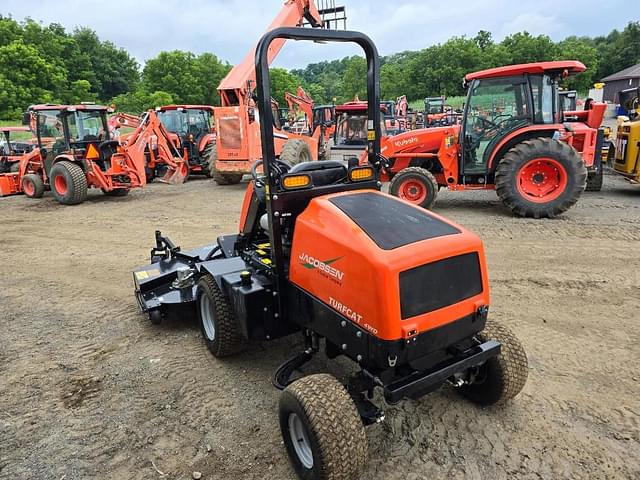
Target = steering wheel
(278,166)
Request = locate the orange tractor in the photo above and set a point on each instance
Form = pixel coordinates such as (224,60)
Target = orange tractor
(75,152)
(237,122)
(513,138)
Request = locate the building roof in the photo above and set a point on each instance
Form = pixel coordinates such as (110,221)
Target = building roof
(631,72)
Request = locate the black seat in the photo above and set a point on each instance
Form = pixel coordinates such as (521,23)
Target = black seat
(322,173)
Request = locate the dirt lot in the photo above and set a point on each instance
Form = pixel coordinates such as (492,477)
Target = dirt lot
(90,389)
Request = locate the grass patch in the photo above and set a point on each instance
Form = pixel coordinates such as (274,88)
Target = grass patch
(17,136)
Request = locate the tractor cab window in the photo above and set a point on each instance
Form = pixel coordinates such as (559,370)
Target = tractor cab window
(434,105)
(51,131)
(390,109)
(495,107)
(198,122)
(351,128)
(542,90)
(86,126)
(322,115)
(174,120)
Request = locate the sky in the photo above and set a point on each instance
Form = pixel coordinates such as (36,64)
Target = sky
(229,28)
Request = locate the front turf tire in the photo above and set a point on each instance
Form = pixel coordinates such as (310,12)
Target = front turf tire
(217,320)
(322,430)
(502,377)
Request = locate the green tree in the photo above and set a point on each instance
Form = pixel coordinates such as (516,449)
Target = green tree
(283,81)
(354,81)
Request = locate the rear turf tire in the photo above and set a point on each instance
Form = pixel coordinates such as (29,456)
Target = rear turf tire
(32,185)
(416,185)
(502,377)
(516,172)
(68,183)
(322,430)
(217,320)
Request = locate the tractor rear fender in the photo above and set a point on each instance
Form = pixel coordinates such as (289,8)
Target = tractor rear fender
(519,136)
(219,268)
(205,141)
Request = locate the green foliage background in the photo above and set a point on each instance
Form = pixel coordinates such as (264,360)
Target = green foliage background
(41,64)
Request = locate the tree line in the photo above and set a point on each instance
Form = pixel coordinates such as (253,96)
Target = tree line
(47,64)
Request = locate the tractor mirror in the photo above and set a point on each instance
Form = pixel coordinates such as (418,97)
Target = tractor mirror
(26,118)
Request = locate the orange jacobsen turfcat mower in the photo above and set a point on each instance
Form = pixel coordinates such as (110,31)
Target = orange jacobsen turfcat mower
(400,291)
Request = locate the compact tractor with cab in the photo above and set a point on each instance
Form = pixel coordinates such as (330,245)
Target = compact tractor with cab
(513,138)
(351,132)
(238,144)
(404,295)
(75,152)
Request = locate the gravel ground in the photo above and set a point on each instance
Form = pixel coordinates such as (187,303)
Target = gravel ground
(90,389)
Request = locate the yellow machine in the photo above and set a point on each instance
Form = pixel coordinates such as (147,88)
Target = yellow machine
(627,147)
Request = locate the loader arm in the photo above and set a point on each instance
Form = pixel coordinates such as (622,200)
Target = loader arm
(235,87)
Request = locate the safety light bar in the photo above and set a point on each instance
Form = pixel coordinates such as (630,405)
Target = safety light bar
(296,181)
(361,174)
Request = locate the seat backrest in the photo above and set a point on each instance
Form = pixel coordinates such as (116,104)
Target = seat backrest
(322,173)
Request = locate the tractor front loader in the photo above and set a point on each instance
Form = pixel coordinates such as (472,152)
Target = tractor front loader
(401,292)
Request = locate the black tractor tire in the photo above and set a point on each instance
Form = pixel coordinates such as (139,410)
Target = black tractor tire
(206,155)
(116,192)
(15,167)
(220,178)
(217,320)
(32,185)
(567,161)
(502,377)
(295,151)
(322,430)
(595,180)
(416,185)
(68,183)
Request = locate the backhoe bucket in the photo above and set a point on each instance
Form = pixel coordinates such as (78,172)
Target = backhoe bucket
(176,175)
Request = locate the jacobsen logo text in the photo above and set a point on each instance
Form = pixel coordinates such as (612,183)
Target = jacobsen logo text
(323,266)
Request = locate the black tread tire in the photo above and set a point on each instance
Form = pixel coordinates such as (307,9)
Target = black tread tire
(417,173)
(227,339)
(332,423)
(206,154)
(221,178)
(506,374)
(116,192)
(595,180)
(15,167)
(510,165)
(296,151)
(38,185)
(76,183)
